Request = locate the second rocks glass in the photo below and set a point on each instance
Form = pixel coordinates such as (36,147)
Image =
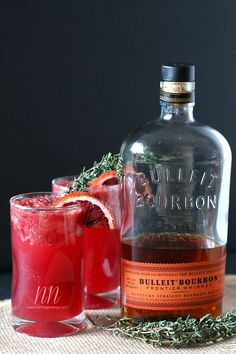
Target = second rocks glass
(101,245)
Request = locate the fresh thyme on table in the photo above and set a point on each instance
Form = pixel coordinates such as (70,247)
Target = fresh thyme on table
(180,333)
(109,162)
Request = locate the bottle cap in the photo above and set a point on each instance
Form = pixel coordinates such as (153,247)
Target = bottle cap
(178,72)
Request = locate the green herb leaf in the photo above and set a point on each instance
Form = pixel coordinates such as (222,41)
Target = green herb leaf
(109,162)
(180,333)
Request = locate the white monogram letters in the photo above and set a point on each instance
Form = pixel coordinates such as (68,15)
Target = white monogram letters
(46,295)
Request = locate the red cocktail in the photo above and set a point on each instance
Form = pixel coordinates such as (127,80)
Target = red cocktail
(102,260)
(47,251)
(101,234)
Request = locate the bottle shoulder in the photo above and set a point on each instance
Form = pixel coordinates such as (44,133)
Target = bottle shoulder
(161,137)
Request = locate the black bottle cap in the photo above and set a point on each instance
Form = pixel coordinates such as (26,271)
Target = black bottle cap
(178,72)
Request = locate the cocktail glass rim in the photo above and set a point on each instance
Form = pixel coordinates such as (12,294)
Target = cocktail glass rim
(46,208)
(70,177)
(100,187)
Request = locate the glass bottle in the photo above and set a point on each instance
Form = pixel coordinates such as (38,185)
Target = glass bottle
(176,198)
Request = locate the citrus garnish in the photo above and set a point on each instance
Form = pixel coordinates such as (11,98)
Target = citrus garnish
(105,179)
(109,163)
(95,213)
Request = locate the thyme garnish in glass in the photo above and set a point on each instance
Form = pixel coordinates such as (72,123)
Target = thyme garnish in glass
(109,162)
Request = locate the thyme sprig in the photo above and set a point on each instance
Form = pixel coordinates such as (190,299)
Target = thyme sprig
(180,333)
(109,162)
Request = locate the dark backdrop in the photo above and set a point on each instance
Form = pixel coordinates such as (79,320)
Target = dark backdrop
(77,76)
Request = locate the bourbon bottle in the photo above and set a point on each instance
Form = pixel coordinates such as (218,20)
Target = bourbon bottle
(176,198)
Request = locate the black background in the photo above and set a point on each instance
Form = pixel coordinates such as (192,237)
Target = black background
(77,76)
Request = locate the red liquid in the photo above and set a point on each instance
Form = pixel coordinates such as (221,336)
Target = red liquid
(102,259)
(102,248)
(47,252)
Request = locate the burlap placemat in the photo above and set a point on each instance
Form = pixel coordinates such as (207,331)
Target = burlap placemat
(93,341)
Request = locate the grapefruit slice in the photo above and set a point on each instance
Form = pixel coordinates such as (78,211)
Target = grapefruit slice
(105,179)
(95,213)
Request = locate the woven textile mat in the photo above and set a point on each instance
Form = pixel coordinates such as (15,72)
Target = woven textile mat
(92,340)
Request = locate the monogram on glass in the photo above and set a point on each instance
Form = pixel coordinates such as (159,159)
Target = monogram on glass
(47,255)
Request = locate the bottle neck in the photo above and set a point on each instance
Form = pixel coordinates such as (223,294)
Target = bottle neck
(177,112)
(177,101)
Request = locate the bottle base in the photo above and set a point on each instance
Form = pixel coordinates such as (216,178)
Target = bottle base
(49,329)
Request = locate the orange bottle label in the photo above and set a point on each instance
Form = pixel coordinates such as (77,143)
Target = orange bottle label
(154,286)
